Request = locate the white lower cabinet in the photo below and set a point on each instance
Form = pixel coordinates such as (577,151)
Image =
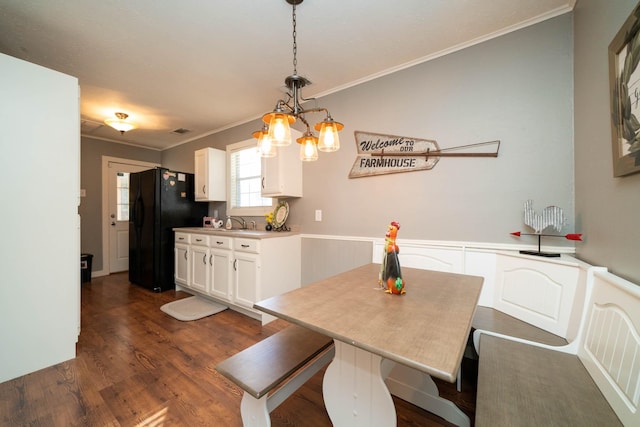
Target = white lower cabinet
(181,259)
(247,284)
(221,262)
(199,263)
(239,271)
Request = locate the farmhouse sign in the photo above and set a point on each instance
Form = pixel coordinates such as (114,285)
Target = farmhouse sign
(380,154)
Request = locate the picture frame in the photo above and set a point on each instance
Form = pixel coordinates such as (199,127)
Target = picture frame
(624,81)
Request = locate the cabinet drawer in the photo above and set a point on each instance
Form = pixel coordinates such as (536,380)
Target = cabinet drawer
(182,238)
(247,245)
(200,239)
(220,242)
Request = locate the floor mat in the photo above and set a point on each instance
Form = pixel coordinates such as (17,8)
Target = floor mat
(192,308)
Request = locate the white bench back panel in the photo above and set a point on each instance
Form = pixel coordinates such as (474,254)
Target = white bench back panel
(423,257)
(483,264)
(610,349)
(539,292)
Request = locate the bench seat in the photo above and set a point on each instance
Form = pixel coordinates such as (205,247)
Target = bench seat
(520,384)
(490,319)
(272,369)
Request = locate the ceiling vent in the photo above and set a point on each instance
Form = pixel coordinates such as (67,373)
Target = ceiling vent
(180,131)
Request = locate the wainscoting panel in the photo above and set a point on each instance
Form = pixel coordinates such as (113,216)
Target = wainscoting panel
(326,257)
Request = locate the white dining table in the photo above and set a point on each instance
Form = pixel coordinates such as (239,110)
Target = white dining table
(386,344)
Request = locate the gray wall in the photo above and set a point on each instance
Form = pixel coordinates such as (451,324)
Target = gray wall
(90,209)
(516,88)
(607,208)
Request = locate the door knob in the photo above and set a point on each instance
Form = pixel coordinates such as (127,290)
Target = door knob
(113,223)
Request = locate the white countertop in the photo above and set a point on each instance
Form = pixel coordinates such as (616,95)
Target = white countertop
(250,234)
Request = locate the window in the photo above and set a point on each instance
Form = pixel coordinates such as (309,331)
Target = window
(122,200)
(245,181)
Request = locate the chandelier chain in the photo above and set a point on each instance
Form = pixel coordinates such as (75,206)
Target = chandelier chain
(295,44)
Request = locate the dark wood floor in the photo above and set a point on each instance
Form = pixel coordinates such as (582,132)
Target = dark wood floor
(137,366)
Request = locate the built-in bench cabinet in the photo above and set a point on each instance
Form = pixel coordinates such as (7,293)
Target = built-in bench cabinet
(237,271)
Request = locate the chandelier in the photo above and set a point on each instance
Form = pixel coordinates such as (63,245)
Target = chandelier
(276,131)
(121,123)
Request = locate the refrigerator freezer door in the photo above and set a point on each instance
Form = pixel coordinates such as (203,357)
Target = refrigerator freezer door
(160,200)
(142,198)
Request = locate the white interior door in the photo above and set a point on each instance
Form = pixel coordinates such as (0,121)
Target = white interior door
(118,216)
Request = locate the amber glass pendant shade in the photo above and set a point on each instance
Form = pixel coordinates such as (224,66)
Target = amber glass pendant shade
(279,129)
(308,148)
(265,147)
(329,140)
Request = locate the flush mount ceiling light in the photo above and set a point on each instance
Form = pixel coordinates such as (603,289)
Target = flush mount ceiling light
(277,132)
(121,123)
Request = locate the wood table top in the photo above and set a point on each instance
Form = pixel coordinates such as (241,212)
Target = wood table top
(426,328)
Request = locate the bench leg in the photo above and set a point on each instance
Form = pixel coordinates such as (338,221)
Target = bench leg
(254,411)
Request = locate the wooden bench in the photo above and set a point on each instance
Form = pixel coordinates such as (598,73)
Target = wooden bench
(593,381)
(272,369)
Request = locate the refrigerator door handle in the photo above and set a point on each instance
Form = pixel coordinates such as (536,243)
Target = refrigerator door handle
(141,209)
(138,212)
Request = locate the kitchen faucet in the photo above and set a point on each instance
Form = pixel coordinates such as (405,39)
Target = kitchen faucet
(239,220)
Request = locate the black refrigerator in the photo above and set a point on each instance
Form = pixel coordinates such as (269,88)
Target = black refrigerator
(159,200)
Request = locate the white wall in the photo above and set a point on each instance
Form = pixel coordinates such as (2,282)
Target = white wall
(40,255)
(607,208)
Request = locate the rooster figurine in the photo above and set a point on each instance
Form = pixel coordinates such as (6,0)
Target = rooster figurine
(390,275)
(551,216)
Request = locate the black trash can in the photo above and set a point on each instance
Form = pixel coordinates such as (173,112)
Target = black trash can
(85,267)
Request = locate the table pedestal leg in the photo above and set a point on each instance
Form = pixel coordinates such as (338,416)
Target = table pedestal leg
(418,388)
(354,391)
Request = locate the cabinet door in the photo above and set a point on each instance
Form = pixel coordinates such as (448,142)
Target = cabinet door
(199,268)
(270,175)
(282,174)
(210,174)
(181,260)
(201,175)
(220,262)
(247,279)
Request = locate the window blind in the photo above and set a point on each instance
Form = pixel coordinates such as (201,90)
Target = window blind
(245,174)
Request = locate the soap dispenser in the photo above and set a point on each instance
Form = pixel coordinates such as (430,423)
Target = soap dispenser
(228,225)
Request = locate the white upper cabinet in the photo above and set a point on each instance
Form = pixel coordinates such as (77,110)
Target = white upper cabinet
(210,175)
(282,174)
